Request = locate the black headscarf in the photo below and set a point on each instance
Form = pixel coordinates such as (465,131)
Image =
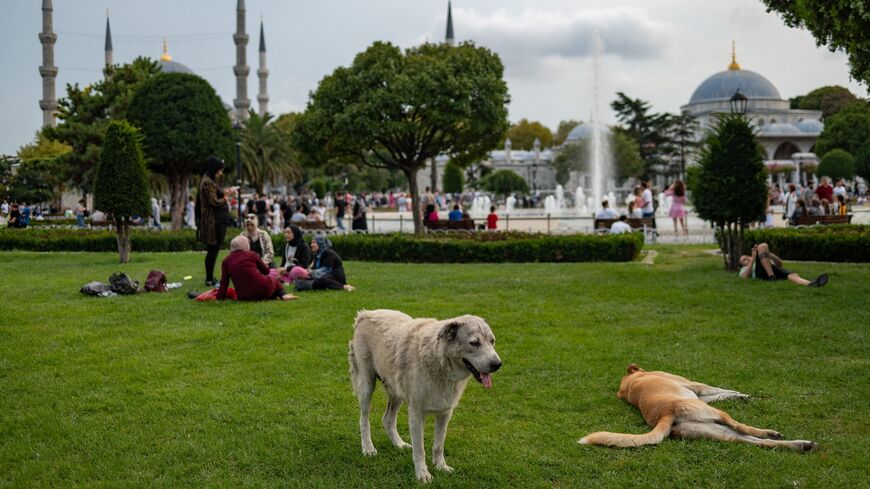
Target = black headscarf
(297,235)
(213,165)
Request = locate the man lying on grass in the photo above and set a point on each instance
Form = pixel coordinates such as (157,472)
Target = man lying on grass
(764,265)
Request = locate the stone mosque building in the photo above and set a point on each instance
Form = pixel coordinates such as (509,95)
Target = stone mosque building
(241,104)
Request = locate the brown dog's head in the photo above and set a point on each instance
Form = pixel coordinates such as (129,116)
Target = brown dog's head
(623,386)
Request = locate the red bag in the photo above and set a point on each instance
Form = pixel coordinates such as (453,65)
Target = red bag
(156,281)
(211,295)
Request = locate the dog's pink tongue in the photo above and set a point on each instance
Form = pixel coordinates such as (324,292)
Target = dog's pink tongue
(486,380)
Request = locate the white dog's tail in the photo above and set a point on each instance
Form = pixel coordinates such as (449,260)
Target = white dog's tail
(622,440)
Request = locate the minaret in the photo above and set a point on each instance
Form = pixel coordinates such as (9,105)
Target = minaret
(448,38)
(263,74)
(108,49)
(241,69)
(48,70)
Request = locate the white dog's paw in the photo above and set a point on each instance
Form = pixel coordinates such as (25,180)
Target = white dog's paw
(442,466)
(583,441)
(369,451)
(403,445)
(424,476)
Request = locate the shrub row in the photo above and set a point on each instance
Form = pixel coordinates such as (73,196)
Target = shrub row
(438,248)
(836,243)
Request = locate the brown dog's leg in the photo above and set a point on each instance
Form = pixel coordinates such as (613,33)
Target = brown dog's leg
(711,431)
(745,429)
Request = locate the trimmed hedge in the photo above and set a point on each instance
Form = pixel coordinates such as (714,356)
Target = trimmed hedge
(432,248)
(835,243)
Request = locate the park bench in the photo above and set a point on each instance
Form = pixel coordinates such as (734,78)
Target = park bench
(311,225)
(463,225)
(822,220)
(637,223)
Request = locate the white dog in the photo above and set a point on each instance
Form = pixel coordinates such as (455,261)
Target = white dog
(424,362)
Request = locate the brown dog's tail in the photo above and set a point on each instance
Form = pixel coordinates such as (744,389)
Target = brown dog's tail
(622,440)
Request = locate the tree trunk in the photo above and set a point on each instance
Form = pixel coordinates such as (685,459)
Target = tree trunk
(433,177)
(732,244)
(411,174)
(122,233)
(178,183)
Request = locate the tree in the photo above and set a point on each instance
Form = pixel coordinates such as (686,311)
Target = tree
(829,99)
(396,110)
(266,152)
(523,135)
(454,180)
(679,139)
(44,157)
(862,161)
(563,130)
(650,130)
(837,164)
(84,114)
(505,182)
(848,129)
(28,184)
(841,25)
(730,188)
(574,156)
(184,122)
(121,187)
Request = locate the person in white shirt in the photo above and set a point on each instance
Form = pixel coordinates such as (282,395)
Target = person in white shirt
(620,226)
(606,212)
(647,196)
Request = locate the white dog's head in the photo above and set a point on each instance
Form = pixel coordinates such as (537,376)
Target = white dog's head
(469,340)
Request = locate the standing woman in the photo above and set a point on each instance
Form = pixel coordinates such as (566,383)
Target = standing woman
(212,215)
(677,192)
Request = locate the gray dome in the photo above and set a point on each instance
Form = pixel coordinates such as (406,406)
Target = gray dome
(173,67)
(722,86)
(810,126)
(583,131)
(779,129)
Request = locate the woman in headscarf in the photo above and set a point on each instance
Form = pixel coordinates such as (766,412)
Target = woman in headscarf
(249,274)
(297,255)
(261,242)
(327,271)
(212,215)
(155,214)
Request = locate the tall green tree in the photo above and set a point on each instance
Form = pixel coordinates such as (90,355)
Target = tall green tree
(862,161)
(828,99)
(840,25)
(505,182)
(184,122)
(649,129)
(523,135)
(121,187)
(454,180)
(563,130)
(396,110)
(848,129)
(44,157)
(84,115)
(266,152)
(836,164)
(679,141)
(730,188)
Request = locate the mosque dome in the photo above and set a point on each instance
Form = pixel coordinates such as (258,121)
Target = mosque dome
(582,131)
(721,86)
(810,126)
(780,129)
(166,64)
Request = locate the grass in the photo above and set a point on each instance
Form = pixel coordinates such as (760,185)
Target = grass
(159,391)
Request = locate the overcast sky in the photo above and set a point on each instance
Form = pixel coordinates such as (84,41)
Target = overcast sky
(657,50)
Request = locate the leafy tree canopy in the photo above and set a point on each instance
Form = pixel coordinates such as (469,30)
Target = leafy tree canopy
(837,164)
(829,100)
(523,135)
(454,180)
(395,110)
(505,182)
(267,155)
(848,129)
(574,156)
(841,25)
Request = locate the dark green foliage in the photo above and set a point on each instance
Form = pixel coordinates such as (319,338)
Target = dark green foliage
(829,99)
(30,183)
(121,187)
(848,129)
(730,189)
(454,178)
(396,110)
(862,161)
(184,122)
(433,248)
(841,25)
(836,242)
(505,182)
(266,152)
(318,186)
(837,164)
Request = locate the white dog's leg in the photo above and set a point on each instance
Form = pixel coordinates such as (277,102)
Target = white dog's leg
(708,393)
(416,420)
(441,421)
(389,421)
(365,388)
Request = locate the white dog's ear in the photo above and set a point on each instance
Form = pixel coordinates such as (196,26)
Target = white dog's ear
(449,331)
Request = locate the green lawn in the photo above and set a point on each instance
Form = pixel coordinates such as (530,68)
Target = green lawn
(159,391)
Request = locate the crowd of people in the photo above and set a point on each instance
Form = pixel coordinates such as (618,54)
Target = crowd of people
(822,199)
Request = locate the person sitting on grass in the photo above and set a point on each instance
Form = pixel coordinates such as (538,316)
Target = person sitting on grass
(249,274)
(297,256)
(620,226)
(261,242)
(327,271)
(764,265)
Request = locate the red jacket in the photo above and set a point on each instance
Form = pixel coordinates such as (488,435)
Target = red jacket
(825,192)
(250,277)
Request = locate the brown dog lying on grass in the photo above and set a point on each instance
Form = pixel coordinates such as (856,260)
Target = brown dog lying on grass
(674,405)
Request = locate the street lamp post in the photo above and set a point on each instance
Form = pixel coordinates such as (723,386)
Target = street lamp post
(738,103)
(238,127)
